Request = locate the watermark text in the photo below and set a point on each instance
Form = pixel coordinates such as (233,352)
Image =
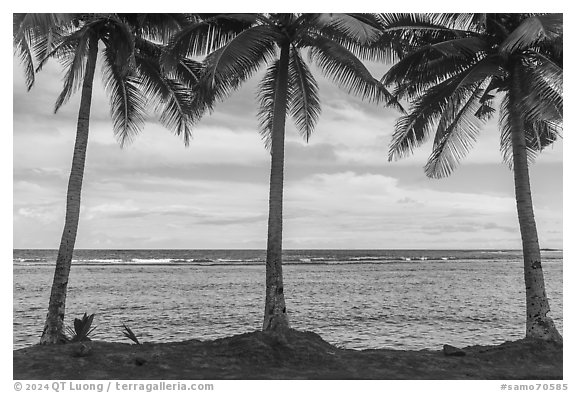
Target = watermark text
(534,387)
(112,386)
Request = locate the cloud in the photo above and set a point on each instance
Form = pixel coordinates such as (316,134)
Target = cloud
(241,220)
(39,175)
(356,210)
(377,211)
(298,153)
(44,214)
(129,210)
(407,200)
(467,226)
(340,189)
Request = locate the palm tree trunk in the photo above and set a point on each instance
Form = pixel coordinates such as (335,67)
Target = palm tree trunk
(275,316)
(54,327)
(538,324)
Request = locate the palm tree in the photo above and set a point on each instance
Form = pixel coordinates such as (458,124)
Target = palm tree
(132,76)
(453,74)
(237,46)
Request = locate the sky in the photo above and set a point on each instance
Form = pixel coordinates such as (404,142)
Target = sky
(340,189)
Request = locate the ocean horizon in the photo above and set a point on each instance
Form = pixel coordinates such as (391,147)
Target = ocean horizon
(181,255)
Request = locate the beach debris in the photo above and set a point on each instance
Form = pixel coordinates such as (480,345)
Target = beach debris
(130,334)
(450,350)
(82,329)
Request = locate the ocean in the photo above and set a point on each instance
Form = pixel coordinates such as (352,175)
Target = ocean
(358,299)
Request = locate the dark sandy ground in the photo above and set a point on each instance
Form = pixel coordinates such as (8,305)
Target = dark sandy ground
(304,355)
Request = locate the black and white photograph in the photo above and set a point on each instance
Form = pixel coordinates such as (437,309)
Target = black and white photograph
(201,197)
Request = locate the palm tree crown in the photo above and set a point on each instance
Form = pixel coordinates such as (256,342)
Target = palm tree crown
(130,66)
(237,45)
(458,64)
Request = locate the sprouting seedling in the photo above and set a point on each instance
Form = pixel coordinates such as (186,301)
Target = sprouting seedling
(82,329)
(130,334)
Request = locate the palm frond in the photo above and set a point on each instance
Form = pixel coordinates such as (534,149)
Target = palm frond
(82,329)
(359,33)
(347,71)
(432,25)
(189,72)
(434,62)
(186,71)
(487,67)
(197,39)
(542,91)
(467,70)
(464,21)
(532,31)
(308,22)
(553,51)
(54,29)
(72,55)
(176,111)
(127,104)
(119,38)
(242,55)
(34,36)
(387,48)
(22,47)
(171,98)
(487,110)
(506,133)
(266,99)
(304,103)
(405,33)
(235,22)
(228,67)
(159,27)
(56,37)
(361,28)
(539,134)
(413,129)
(457,131)
(210,32)
(128,333)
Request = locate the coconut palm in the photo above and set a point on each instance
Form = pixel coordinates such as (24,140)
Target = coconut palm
(459,67)
(132,76)
(240,44)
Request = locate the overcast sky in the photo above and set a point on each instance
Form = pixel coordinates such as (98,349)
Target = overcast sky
(340,190)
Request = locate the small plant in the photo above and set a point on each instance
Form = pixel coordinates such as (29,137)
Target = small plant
(130,334)
(82,329)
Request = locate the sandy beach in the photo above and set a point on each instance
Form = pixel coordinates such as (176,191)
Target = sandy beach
(304,355)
